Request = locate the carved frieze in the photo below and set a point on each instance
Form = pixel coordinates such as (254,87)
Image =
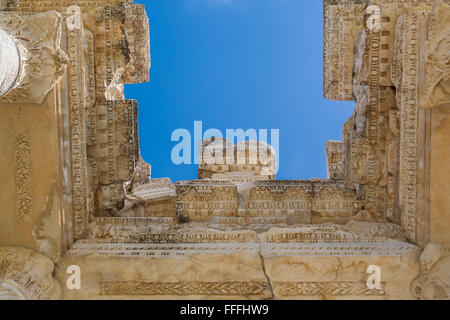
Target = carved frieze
(435,89)
(244,162)
(352,231)
(114,151)
(343,19)
(278,198)
(335,160)
(77,107)
(409,115)
(330,288)
(191,288)
(23,178)
(335,202)
(9,63)
(122,48)
(199,200)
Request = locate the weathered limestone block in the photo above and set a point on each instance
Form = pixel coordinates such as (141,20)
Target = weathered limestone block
(386,141)
(166,271)
(151,198)
(434,280)
(141,175)
(162,207)
(435,66)
(158,230)
(246,236)
(219,158)
(334,202)
(60,5)
(154,189)
(122,45)
(127,229)
(114,144)
(405,73)
(343,20)
(113,147)
(100,38)
(26,275)
(339,270)
(291,199)
(257,224)
(352,231)
(201,199)
(335,160)
(32,174)
(74,116)
(110,199)
(239,177)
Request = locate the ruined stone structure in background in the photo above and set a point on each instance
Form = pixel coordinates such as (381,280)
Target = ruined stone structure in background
(75,190)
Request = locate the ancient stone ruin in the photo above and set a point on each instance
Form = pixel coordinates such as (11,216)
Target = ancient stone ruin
(76,192)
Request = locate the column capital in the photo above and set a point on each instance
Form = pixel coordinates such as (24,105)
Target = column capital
(32,48)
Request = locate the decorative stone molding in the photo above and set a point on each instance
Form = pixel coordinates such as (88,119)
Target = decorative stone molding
(436,66)
(201,199)
(335,160)
(142,288)
(26,275)
(434,280)
(343,19)
(23,178)
(302,238)
(331,288)
(40,62)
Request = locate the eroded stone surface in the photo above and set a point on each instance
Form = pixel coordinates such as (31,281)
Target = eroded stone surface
(76,189)
(26,275)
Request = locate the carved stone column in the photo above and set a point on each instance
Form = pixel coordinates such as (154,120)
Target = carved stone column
(31,60)
(26,275)
(9,63)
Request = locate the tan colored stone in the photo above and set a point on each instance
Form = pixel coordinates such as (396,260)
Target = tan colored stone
(26,275)
(76,190)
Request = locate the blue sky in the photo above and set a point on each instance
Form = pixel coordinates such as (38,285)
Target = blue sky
(237,64)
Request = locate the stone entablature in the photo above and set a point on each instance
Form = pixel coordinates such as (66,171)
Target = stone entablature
(304,201)
(335,160)
(386,136)
(34,61)
(385,199)
(434,280)
(292,199)
(155,189)
(201,199)
(220,156)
